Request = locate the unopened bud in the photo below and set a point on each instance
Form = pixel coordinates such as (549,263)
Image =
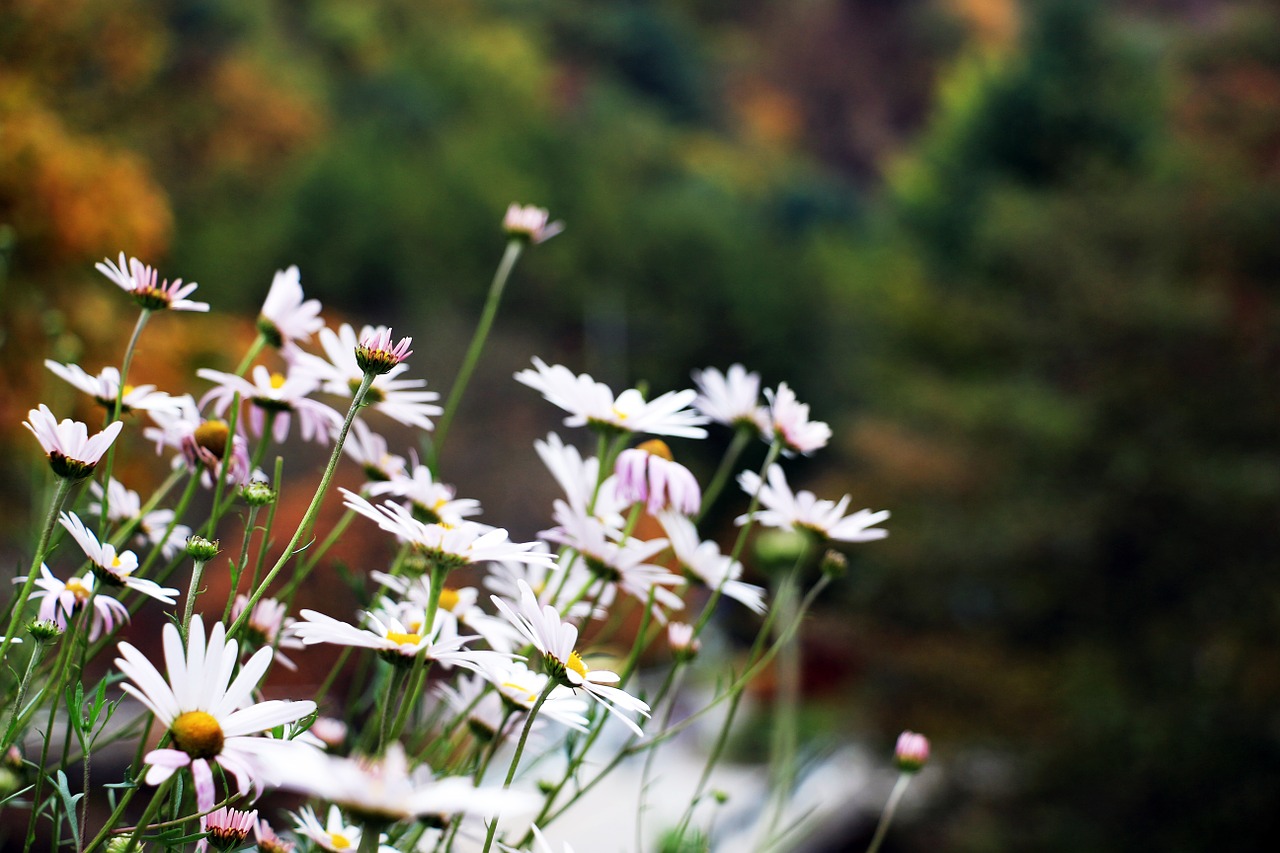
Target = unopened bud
(258,493)
(45,630)
(912,752)
(834,564)
(684,645)
(201,550)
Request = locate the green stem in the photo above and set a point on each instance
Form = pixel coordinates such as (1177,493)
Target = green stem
(895,796)
(59,498)
(22,694)
(730,461)
(394,683)
(147,816)
(254,349)
(116,410)
(786,711)
(308,519)
(192,590)
(496,287)
(515,759)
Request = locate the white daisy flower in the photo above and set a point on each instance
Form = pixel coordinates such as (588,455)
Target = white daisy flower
(788,419)
(104,387)
(432,502)
(397,633)
(369,450)
(555,639)
(702,561)
(456,544)
(72,453)
(456,604)
(649,474)
(211,718)
(619,564)
(802,511)
(385,789)
(339,372)
(335,833)
(282,395)
(578,477)
(125,506)
(112,568)
(62,601)
(589,402)
(527,222)
(286,317)
(504,579)
(141,282)
(732,398)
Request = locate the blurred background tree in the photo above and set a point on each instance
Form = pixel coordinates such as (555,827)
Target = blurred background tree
(1022,255)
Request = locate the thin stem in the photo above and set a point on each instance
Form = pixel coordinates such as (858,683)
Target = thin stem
(394,683)
(727,463)
(515,759)
(886,817)
(147,816)
(22,694)
(59,498)
(254,349)
(192,590)
(496,287)
(116,410)
(304,527)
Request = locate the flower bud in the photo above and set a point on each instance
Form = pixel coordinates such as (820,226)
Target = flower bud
(684,645)
(258,493)
(912,752)
(834,564)
(201,550)
(45,630)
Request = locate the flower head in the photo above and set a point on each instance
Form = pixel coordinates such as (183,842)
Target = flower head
(702,562)
(202,443)
(802,511)
(911,752)
(335,833)
(62,601)
(589,402)
(377,355)
(106,386)
(555,639)
(788,420)
(112,568)
(286,317)
(125,507)
(283,396)
(732,398)
(144,285)
(648,474)
(72,453)
(226,828)
(212,718)
(530,223)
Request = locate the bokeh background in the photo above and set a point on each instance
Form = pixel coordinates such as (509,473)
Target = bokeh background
(1023,256)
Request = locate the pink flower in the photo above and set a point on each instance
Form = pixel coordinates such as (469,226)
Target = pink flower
(72,453)
(530,223)
(911,752)
(141,282)
(647,473)
(376,354)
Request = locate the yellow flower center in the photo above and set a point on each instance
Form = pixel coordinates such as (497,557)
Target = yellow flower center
(127,390)
(400,639)
(656,447)
(277,381)
(339,841)
(197,734)
(212,436)
(575,663)
(522,694)
(115,561)
(618,413)
(78,589)
(449,598)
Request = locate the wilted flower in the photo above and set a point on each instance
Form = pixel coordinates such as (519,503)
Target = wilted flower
(143,284)
(72,453)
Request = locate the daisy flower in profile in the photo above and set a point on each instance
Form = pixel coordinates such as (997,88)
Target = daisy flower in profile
(431,502)
(226,828)
(649,474)
(210,717)
(105,386)
(111,568)
(541,625)
(267,839)
(143,284)
(578,477)
(340,372)
(592,403)
(62,601)
(732,398)
(385,789)
(376,353)
(202,443)
(456,604)
(455,544)
(72,453)
(788,420)
(369,450)
(529,223)
(802,511)
(124,506)
(703,563)
(335,833)
(398,634)
(282,396)
(287,317)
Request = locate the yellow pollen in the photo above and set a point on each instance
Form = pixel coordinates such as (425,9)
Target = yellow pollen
(277,381)
(656,447)
(78,589)
(575,663)
(127,390)
(339,842)
(197,734)
(401,639)
(212,436)
(619,414)
(449,598)
(115,561)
